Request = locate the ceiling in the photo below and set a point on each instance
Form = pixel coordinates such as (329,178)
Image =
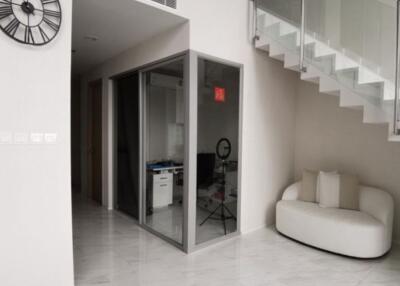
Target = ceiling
(118,25)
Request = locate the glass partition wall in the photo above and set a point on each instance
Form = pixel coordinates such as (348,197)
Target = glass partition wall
(217,150)
(180,120)
(164,149)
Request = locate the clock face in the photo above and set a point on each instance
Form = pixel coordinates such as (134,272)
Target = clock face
(31,22)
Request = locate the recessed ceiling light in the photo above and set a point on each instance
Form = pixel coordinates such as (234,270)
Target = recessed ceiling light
(92,38)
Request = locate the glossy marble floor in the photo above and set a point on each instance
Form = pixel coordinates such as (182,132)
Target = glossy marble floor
(169,220)
(110,249)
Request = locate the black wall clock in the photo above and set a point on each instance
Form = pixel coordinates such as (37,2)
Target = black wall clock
(31,22)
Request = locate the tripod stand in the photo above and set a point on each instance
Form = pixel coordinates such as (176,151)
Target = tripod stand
(222,207)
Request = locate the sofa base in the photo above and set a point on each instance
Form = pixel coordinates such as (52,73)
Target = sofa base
(331,252)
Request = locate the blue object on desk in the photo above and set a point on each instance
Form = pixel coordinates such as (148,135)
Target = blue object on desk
(154,166)
(161,165)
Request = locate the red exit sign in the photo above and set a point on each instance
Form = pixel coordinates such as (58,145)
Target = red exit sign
(219,94)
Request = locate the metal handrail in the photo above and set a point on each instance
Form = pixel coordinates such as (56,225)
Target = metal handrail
(303,68)
(256,35)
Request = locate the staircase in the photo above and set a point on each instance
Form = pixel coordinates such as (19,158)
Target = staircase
(336,71)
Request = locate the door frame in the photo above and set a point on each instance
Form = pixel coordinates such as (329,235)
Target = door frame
(143,149)
(89,135)
(185,55)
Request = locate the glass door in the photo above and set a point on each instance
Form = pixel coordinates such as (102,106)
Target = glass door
(163,149)
(127,144)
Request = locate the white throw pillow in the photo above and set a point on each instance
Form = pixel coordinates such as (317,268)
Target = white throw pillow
(317,196)
(329,190)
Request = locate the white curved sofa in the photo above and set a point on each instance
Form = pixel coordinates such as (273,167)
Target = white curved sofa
(363,234)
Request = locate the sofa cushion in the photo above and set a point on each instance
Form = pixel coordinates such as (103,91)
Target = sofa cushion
(329,189)
(317,196)
(347,232)
(308,186)
(338,191)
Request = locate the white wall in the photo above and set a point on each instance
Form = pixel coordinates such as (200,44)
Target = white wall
(164,45)
(332,138)
(35,179)
(220,28)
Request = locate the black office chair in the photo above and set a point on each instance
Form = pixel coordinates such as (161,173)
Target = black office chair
(205,169)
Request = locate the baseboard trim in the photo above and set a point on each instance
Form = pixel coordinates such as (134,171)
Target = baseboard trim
(256,228)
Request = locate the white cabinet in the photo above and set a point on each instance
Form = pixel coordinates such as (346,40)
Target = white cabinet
(162,190)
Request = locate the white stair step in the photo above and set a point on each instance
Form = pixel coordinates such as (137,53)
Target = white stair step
(343,62)
(312,75)
(276,51)
(262,19)
(263,43)
(271,31)
(322,49)
(389,91)
(394,138)
(367,76)
(329,86)
(292,61)
(270,19)
(286,29)
(288,41)
(350,99)
(374,114)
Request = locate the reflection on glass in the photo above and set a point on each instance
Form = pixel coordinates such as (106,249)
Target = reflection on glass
(127,110)
(164,149)
(217,158)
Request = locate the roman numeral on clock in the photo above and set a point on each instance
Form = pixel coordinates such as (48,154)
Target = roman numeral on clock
(5,11)
(45,2)
(44,35)
(29,36)
(51,24)
(12,27)
(50,13)
(5,3)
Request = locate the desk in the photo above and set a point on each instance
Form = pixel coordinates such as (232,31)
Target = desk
(161,184)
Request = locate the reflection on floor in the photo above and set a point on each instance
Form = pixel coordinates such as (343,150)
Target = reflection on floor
(168,221)
(111,250)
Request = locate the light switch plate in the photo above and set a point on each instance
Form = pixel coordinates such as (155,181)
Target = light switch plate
(50,138)
(36,138)
(21,138)
(6,138)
